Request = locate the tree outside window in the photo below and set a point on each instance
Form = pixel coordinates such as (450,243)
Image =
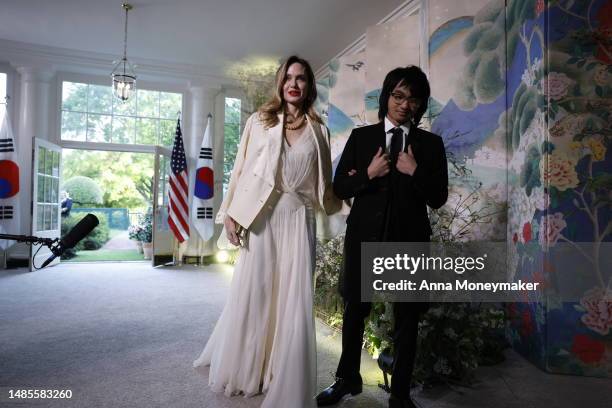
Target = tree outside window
(90,113)
(231,131)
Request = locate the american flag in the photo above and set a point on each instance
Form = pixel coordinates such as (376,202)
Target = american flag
(178,211)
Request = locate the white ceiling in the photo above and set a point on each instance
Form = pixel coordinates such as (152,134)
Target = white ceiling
(206,33)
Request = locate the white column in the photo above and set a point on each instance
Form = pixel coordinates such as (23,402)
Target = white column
(34,121)
(201,103)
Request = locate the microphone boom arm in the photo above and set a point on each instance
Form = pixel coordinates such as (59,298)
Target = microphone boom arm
(29,239)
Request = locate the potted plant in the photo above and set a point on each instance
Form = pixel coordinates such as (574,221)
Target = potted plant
(146,235)
(134,232)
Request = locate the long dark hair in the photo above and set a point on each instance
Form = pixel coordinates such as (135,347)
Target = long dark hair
(269,110)
(412,77)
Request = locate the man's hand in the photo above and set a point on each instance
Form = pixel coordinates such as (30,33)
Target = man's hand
(352,172)
(231,230)
(379,166)
(406,163)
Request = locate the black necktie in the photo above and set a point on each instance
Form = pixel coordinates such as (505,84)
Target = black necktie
(397,140)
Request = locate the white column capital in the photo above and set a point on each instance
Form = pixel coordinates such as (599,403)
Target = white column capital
(35,72)
(199,91)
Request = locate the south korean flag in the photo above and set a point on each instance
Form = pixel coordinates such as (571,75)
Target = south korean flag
(9,183)
(202,206)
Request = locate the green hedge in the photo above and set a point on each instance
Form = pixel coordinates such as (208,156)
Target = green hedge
(96,238)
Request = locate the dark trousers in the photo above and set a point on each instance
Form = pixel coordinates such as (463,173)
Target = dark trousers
(405,330)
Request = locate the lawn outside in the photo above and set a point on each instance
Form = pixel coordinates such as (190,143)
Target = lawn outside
(107,255)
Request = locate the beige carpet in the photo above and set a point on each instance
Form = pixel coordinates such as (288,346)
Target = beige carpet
(125,335)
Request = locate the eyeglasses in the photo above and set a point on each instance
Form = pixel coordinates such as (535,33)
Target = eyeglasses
(400,98)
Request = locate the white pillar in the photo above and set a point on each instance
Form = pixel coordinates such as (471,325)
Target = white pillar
(201,103)
(34,121)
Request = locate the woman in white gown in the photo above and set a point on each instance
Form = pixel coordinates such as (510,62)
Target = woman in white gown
(264,340)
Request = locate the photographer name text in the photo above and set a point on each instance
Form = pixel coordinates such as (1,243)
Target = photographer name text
(408,285)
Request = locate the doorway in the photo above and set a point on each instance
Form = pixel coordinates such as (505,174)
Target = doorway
(118,188)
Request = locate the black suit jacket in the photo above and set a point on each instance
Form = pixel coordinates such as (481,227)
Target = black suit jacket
(368,220)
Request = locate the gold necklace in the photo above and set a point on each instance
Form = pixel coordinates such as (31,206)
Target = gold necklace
(296,124)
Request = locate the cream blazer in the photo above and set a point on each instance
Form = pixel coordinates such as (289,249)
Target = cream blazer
(254,174)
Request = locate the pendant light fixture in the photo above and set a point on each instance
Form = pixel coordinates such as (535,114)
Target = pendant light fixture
(124,78)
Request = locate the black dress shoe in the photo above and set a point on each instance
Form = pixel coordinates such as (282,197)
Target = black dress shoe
(396,402)
(334,393)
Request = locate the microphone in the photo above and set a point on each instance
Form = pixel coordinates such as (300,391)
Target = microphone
(77,233)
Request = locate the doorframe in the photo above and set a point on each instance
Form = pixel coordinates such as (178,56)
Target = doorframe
(35,249)
(117,148)
(165,237)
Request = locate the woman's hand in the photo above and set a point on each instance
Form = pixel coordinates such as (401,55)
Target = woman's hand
(231,229)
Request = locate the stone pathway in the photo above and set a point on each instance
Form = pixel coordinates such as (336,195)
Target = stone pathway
(121,241)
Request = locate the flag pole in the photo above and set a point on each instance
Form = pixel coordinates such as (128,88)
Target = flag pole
(177,245)
(5,250)
(180,161)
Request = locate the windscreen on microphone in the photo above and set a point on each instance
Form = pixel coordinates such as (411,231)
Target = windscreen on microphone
(79,231)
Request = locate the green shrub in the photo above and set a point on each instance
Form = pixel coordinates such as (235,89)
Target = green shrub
(96,238)
(83,190)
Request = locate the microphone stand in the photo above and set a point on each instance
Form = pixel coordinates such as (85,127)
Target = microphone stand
(51,243)
(29,239)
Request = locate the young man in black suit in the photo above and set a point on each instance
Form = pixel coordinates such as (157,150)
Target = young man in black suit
(393,170)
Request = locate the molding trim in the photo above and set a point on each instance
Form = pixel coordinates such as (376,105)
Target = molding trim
(62,59)
(109,147)
(406,8)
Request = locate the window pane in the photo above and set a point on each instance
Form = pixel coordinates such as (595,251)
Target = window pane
(124,108)
(98,128)
(2,96)
(231,133)
(41,160)
(40,191)
(47,193)
(54,190)
(148,103)
(56,162)
(123,129)
(49,162)
(100,99)
(2,86)
(48,190)
(74,96)
(92,113)
(40,217)
(232,110)
(54,218)
(167,131)
(43,226)
(170,104)
(146,133)
(232,138)
(48,217)
(73,126)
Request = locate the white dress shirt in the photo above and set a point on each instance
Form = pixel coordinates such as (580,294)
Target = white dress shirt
(388,127)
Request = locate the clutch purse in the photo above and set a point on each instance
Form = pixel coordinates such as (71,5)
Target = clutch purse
(223,242)
(243,236)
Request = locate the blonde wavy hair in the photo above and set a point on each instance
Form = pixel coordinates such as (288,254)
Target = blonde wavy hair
(268,112)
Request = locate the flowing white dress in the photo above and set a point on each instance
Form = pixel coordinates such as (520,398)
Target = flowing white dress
(264,340)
